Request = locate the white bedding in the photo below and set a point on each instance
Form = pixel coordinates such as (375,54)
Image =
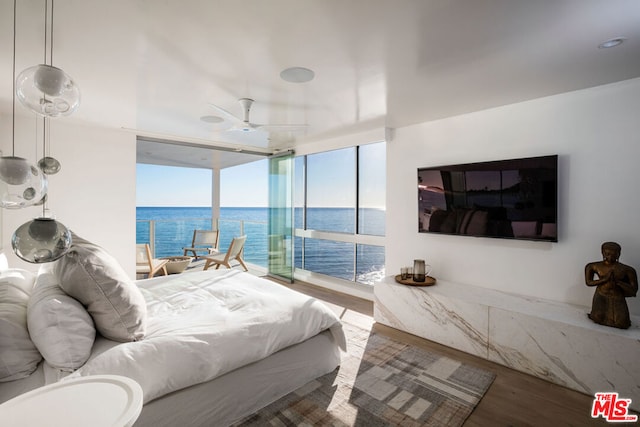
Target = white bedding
(202,325)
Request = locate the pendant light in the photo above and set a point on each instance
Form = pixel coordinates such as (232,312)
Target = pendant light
(47,164)
(45,89)
(21,183)
(42,239)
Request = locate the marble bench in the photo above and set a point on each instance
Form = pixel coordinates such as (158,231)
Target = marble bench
(547,339)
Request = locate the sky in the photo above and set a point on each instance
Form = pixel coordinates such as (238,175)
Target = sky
(245,185)
(241,186)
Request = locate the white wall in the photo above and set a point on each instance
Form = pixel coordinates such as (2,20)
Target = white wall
(94,194)
(336,143)
(595,132)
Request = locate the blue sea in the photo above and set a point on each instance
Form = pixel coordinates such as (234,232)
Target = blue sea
(174,230)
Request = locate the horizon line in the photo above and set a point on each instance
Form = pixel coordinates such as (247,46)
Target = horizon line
(295,207)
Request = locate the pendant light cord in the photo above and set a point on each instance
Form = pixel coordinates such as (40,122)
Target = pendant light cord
(13,91)
(44,119)
(45,134)
(50,33)
(44,156)
(51,29)
(46,22)
(46,15)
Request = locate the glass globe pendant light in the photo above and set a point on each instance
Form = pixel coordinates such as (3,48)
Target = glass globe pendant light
(28,190)
(14,170)
(45,89)
(41,240)
(21,184)
(47,164)
(48,91)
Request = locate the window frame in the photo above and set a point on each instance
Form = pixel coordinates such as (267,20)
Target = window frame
(354,238)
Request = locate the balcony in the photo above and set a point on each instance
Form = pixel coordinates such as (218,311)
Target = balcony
(168,237)
(319,256)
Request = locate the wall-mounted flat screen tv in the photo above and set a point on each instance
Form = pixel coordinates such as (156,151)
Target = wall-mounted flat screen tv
(513,199)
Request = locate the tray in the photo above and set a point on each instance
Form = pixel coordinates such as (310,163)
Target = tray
(428,281)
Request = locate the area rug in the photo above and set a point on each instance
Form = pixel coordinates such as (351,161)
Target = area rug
(382,382)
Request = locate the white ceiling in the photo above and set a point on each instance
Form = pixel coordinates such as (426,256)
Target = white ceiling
(155,66)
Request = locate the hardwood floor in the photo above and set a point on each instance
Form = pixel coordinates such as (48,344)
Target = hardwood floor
(514,398)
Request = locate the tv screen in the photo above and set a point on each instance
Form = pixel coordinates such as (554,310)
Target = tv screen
(512,199)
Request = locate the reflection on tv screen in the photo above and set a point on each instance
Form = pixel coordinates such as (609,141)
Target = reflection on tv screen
(513,199)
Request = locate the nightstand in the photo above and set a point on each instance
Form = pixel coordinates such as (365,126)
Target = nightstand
(97,401)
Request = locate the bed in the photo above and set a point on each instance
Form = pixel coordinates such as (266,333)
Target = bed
(207,347)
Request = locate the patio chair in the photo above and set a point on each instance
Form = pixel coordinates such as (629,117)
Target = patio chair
(233,253)
(146,264)
(203,241)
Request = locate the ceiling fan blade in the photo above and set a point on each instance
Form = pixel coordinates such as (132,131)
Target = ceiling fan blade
(285,127)
(245,125)
(227,115)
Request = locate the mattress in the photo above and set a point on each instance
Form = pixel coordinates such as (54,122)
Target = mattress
(244,391)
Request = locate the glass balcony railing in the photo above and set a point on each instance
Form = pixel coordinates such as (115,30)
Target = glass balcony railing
(168,237)
(353,258)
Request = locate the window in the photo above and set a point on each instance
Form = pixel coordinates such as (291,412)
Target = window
(340,213)
(329,257)
(370,263)
(331,191)
(372,180)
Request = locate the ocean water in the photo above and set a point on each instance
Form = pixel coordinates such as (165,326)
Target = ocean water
(174,230)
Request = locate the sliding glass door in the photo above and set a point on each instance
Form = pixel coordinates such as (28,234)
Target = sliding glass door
(280,254)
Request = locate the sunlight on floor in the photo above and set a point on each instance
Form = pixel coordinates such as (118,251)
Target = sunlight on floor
(350,316)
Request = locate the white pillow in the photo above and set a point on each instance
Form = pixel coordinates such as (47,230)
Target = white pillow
(92,276)
(59,325)
(19,357)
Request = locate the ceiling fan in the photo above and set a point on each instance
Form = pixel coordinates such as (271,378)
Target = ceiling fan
(245,124)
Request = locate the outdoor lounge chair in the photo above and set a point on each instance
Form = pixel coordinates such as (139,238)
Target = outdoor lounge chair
(203,241)
(234,253)
(146,264)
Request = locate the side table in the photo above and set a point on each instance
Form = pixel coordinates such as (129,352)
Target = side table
(97,400)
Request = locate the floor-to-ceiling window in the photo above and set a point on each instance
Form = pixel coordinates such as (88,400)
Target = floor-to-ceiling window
(371,210)
(339,205)
(280,216)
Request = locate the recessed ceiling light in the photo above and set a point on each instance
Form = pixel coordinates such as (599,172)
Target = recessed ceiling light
(611,43)
(297,75)
(212,119)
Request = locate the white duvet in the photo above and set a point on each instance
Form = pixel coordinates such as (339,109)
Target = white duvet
(204,324)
